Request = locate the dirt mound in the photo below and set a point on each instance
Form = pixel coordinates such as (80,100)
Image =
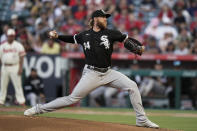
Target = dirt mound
(22,123)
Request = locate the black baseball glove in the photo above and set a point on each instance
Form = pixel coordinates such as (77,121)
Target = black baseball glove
(134,46)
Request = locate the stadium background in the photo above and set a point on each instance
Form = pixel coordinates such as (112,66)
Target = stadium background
(166,27)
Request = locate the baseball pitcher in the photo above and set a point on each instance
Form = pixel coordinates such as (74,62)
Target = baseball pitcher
(97,43)
(11,56)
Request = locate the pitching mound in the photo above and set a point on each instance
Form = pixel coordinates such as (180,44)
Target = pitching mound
(22,123)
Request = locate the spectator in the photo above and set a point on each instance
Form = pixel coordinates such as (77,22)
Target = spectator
(42,30)
(152,27)
(36,7)
(58,11)
(168,37)
(34,13)
(45,20)
(26,43)
(151,47)
(179,19)
(182,48)
(180,8)
(20,5)
(48,6)
(166,28)
(16,23)
(51,47)
(26,39)
(170,48)
(184,35)
(34,88)
(193,8)
(165,12)
(37,44)
(3,37)
(179,5)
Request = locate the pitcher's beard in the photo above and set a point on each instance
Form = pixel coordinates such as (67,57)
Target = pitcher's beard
(101,25)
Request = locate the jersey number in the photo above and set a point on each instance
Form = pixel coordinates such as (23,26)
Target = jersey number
(86,45)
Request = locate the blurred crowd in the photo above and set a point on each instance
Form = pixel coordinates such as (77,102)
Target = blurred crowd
(163,26)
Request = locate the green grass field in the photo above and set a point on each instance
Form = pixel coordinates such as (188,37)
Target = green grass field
(170,119)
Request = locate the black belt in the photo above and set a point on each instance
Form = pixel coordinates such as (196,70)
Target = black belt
(102,70)
(8,64)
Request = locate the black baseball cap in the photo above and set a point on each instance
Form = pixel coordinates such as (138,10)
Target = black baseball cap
(100,13)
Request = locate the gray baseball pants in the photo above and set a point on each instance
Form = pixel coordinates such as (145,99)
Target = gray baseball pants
(89,81)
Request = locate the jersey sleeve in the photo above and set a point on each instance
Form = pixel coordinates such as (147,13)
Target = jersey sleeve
(118,36)
(66,38)
(21,50)
(78,38)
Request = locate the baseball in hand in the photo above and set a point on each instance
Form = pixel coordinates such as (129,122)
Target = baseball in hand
(53,34)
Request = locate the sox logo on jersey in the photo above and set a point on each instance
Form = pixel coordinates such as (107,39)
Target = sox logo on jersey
(105,41)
